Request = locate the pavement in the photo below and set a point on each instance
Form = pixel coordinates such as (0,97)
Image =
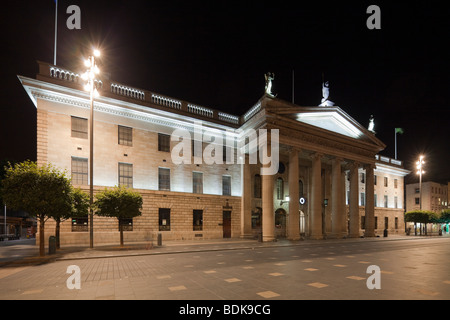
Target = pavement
(26,252)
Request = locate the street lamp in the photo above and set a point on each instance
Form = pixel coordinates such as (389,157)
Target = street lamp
(91,86)
(420,172)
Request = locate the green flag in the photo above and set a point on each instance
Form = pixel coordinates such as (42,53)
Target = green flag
(399,130)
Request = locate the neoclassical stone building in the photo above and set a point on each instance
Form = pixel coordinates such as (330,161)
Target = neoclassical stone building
(328,176)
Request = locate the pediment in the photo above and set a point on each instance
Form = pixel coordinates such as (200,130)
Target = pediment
(325,120)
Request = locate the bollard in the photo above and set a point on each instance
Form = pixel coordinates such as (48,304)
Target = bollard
(52,245)
(159,239)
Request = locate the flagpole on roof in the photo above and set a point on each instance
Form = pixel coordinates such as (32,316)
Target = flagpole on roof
(56,30)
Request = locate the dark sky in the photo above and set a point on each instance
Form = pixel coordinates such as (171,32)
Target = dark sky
(215,54)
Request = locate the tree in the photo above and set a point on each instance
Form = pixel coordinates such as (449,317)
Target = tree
(42,191)
(119,202)
(79,208)
(421,216)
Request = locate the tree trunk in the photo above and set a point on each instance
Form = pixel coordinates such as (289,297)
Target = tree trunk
(41,236)
(121,235)
(57,229)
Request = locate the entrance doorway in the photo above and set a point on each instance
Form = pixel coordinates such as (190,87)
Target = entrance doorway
(226,224)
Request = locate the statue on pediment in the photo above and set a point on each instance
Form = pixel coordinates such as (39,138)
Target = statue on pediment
(326,95)
(269,78)
(371,124)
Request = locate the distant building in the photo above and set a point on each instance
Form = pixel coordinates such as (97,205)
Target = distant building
(434,196)
(330,180)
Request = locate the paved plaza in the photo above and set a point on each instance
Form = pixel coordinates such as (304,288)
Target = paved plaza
(410,268)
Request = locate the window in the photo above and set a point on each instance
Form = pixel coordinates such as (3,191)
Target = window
(363,199)
(197,148)
(164,179)
(280,189)
(395,183)
(363,222)
(125,136)
(396,202)
(197,182)
(417,190)
(375,180)
(375,200)
(376,222)
(385,181)
(79,171)
(226,185)
(417,200)
(126,224)
(126,174)
(164,219)
(386,222)
(79,128)
(80,224)
(385,201)
(163,142)
(198,220)
(257,185)
(363,177)
(396,223)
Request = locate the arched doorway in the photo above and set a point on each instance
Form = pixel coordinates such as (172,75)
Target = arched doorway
(280,223)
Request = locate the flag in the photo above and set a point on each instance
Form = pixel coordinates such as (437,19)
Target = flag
(399,130)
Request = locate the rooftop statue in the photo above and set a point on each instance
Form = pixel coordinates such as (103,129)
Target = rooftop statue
(326,95)
(269,78)
(371,124)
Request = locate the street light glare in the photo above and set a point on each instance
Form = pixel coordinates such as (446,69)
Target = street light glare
(96,53)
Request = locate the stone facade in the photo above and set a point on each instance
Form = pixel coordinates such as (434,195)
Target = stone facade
(328,172)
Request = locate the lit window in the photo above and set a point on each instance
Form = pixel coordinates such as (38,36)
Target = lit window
(79,127)
(164,179)
(79,171)
(126,174)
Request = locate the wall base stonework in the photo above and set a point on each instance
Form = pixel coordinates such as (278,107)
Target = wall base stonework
(146,227)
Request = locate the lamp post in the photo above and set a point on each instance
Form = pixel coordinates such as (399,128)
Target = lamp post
(90,86)
(419,166)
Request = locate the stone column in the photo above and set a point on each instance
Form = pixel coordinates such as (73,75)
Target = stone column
(294,218)
(337,215)
(370,209)
(316,197)
(246,205)
(353,201)
(268,219)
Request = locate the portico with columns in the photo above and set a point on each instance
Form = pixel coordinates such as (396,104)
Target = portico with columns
(319,148)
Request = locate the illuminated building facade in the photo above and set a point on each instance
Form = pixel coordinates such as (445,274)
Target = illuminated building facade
(326,183)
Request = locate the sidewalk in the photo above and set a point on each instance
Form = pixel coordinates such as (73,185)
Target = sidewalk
(25,252)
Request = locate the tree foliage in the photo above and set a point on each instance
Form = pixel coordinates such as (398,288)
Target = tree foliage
(421,216)
(119,202)
(42,191)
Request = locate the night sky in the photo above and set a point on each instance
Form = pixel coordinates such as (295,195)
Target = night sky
(215,54)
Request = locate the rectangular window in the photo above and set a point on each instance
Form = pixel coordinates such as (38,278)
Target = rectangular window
(363,222)
(197,148)
(417,200)
(395,183)
(125,136)
(79,171)
(79,127)
(375,200)
(163,142)
(375,180)
(126,174)
(197,182)
(385,181)
(80,224)
(164,179)
(164,219)
(363,199)
(226,185)
(198,220)
(396,223)
(386,222)
(363,177)
(396,202)
(376,222)
(126,224)
(417,190)
(385,201)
